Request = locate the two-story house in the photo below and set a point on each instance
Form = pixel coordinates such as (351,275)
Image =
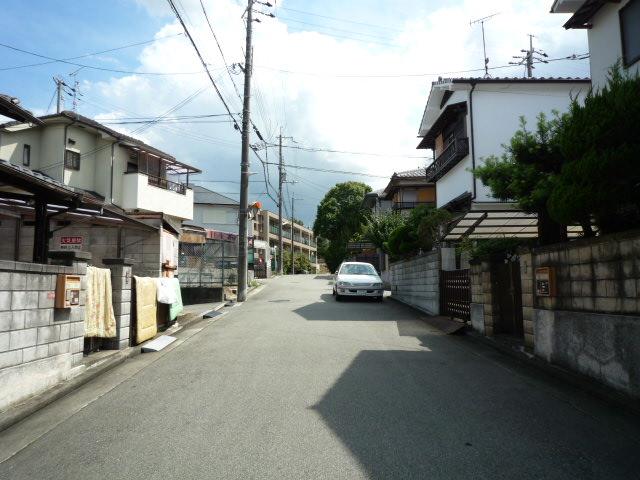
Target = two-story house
(406,190)
(613,31)
(131,177)
(467,120)
(214,211)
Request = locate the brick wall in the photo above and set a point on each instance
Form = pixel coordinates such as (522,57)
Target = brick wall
(39,345)
(416,282)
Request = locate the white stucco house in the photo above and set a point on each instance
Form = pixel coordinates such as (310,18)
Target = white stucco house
(467,120)
(215,211)
(613,30)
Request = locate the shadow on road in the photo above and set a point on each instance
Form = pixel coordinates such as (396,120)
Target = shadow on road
(327,276)
(444,414)
(351,309)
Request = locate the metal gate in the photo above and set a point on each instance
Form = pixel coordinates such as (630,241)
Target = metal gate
(210,264)
(455,293)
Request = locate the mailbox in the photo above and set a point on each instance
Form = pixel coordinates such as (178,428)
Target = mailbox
(545,282)
(67,291)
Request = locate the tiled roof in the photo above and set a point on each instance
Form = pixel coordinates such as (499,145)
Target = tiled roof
(206,196)
(512,80)
(418,172)
(10,107)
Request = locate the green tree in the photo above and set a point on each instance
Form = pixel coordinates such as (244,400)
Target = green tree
(600,140)
(525,173)
(380,227)
(339,217)
(420,231)
(301,262)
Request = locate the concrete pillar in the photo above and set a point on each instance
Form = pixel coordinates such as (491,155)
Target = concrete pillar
(121,284)
(448,261)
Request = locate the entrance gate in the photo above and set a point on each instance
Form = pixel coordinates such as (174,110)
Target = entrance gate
(455,293)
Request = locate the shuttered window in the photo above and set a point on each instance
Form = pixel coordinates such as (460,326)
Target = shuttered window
(72,160)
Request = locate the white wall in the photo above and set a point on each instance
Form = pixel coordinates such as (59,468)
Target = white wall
(139,195)
(497,109)
(11,145)
(457,181)
(605,43)
(223,218)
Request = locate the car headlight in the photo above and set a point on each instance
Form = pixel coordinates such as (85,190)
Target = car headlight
(377,284)
(344,284)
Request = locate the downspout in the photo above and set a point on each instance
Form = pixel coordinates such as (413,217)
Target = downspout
(473,145)
(113,149)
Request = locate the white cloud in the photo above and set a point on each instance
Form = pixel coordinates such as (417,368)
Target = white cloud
(319,109)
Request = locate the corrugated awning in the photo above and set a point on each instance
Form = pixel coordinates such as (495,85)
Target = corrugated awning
(498,220)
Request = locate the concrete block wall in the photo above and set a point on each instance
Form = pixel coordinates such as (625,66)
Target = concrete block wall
(39,345)
(601,274)
(416,282)
(140,245)
(483,308)
(7,233)
(121,284)
(526,285)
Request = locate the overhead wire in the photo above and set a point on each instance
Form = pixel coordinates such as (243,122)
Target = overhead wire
(339,19)
(137,44)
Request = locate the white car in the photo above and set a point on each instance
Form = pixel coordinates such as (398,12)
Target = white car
(357,279)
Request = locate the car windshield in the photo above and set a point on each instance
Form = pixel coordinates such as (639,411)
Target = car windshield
(357,269)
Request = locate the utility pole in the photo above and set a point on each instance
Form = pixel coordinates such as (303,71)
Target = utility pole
(59,84)
(244,165)
(527,59)
(280,182)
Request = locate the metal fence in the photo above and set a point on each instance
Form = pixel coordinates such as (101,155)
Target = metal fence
(210,264)
(455,294)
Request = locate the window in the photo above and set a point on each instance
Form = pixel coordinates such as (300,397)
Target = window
(72,160)
(630,32)
(26,155)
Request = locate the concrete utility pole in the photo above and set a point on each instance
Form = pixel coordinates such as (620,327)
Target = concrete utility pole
(59,84)
(244,166)
(280,182)
(528,57)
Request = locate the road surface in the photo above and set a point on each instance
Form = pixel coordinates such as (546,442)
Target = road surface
(293,385)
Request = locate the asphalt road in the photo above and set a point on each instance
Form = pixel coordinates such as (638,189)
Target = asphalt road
(292,385)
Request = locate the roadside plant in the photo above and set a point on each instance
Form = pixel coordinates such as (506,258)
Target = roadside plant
(380,227)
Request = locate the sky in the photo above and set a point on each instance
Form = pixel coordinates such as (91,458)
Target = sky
(347,76)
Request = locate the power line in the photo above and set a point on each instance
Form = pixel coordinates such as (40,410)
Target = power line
(146,42)
(344,152)
(300,29)
(572,57)
(325,170)
(334,29)
(339,19)
(92,67)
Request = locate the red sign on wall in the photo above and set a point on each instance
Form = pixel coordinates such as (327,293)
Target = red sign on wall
(71,243)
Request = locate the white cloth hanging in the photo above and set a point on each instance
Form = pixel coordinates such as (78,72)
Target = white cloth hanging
(166,291)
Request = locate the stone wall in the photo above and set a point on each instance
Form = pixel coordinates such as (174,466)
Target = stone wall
(39,345)
(416,282)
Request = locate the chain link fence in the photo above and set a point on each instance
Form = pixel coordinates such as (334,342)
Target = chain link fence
(210,264)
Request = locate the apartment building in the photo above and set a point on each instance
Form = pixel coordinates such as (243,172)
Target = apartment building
(265,229)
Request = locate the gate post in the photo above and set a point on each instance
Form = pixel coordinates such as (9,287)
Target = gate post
(121,293)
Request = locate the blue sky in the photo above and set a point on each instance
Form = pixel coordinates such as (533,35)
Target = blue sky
(310,101)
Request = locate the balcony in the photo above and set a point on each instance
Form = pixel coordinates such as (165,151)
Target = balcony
(155,194)
(410,205)
(450,156)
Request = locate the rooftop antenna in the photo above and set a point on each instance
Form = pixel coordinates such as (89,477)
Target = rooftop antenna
(484,45)
(75,89)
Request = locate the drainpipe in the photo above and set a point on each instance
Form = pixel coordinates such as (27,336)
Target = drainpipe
(473,146)
(113,149)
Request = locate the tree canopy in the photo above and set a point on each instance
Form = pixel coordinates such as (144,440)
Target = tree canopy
(339,217)
(419,230)
(600,143)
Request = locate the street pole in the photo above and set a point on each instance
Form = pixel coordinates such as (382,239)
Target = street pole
(280,181)
(293,257)
(59,84)
(244,168)
(530,58)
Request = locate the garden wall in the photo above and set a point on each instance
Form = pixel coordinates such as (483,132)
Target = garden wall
(416,281)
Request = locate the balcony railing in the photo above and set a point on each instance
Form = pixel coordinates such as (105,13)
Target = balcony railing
(166,184)
(410,205)
(450,156)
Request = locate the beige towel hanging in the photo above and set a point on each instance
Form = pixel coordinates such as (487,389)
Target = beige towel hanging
(146,308)
(99,320)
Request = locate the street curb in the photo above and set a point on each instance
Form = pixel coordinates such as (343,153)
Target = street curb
(575,379)
(21,411)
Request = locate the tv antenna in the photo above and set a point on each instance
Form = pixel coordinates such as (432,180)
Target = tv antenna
(484,45)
